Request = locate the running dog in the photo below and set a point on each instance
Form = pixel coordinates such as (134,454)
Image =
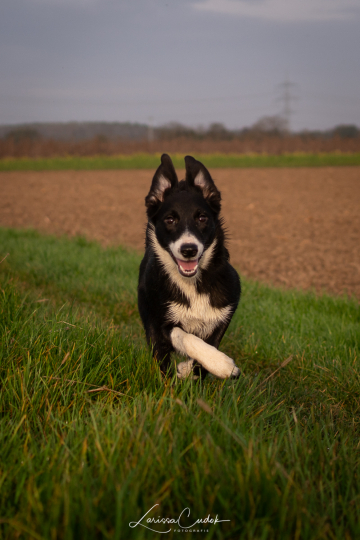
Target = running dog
(188,291)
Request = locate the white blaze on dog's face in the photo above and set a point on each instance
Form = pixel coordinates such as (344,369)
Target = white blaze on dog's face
(187,251)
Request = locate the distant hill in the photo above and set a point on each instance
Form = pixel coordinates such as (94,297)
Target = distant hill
(77,131)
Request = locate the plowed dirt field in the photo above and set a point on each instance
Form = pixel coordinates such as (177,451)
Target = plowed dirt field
(291,227)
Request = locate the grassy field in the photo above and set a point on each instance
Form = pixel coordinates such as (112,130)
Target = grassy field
(91,437)
(151,161)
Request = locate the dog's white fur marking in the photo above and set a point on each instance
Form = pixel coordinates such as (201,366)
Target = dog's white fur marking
(213,360)
(186,238)
(200,318)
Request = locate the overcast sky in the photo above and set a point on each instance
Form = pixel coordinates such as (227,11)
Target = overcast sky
(191,61)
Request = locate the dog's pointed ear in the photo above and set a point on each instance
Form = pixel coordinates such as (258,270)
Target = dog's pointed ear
(164,178)
(197,175)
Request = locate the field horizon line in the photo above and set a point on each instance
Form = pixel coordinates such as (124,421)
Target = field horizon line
(141,160)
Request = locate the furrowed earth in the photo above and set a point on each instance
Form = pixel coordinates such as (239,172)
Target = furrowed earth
(290,227)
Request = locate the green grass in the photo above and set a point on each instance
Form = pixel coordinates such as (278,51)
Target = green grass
(151,161)
(91,437)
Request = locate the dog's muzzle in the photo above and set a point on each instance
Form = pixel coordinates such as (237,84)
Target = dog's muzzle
(188,266)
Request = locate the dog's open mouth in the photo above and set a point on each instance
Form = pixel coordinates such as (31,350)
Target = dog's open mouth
(187,268)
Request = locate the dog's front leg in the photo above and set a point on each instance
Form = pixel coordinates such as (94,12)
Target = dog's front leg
(190,368)
(186,369)
(208,356)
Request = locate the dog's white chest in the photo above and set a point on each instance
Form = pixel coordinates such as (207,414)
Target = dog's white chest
(200,318)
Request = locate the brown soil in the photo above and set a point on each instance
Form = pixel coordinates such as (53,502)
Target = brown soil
(293,227)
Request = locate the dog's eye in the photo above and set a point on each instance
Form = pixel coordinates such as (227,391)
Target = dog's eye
(202,218)
(169,220)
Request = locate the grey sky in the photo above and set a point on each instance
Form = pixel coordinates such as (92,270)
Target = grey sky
(192,61)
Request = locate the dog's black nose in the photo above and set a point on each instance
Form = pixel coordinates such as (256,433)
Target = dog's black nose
(188,250)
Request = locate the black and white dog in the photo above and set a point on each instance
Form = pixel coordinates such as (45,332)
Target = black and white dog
(187,290)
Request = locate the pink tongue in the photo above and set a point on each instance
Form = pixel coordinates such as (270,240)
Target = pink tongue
(187,265)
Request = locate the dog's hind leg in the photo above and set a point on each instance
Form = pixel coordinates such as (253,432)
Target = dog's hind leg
(162,355)
(208,356)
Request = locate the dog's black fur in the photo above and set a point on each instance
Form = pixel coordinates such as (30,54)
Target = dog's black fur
(200,291)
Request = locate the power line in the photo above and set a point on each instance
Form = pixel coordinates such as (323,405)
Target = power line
(137,102)
(331,97)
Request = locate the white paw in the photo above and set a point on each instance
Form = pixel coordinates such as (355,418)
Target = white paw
(235,372)
(208,356)
(185,369)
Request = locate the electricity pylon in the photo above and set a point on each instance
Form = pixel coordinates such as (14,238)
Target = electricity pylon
(287,97)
